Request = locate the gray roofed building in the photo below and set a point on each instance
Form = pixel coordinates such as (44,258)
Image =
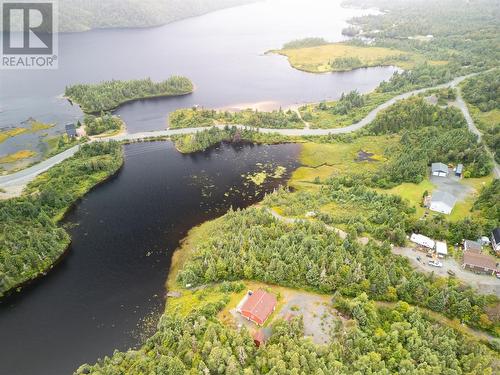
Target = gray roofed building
(479,263)
(472,246)
(71,130)
(459,170)
(442,202)
(439,169)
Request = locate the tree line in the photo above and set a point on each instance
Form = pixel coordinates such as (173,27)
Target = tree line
(106,96)
(31,239)
(251,244)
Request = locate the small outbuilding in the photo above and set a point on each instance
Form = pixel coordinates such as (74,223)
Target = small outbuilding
(261,336)
(442,202)
(423,241)
(441,248)
(472,247)
(495,239)
(459,170)
(480,263)
(439,169)
(71,130)
(257,306)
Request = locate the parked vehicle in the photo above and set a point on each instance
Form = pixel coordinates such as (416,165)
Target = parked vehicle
(498,275)
(419,258)
(435,263)
(451,273)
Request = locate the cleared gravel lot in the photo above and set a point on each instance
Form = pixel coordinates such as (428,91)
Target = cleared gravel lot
(483,283)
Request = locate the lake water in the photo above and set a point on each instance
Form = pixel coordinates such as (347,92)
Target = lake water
(111,284)
(124,232)
(223,53)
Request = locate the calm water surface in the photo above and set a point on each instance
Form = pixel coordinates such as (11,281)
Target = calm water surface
(111,284)
(223,53)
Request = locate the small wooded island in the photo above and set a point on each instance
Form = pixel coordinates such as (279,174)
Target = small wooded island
(108,95)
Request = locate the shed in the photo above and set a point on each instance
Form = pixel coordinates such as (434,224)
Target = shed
(459,170)
(257,306)
(442,202)
(70,130)
(422,240)
(439,169)
(495,239)
(472,246)
(261,336)
(441,248)
(479,262)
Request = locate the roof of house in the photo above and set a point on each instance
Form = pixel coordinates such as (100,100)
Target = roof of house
(441,248)
(260,304)
(422,240)
(472,246)
(439,167)
(480,260)
(496,235)
(460,168)
(71,129)
(444,197)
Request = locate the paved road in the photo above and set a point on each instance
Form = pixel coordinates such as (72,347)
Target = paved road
(15,182)
(460,103)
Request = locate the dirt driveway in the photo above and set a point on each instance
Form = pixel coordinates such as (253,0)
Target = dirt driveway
(319,316)
(485,284)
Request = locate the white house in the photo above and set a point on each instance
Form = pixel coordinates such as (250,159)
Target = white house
(422,240)
(441,248)
(442,202)
(439,169)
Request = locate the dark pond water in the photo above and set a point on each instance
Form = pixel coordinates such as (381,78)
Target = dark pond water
(111,284)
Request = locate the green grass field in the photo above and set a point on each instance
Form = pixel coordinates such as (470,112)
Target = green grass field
(323,160)
(321,59)
(413,193)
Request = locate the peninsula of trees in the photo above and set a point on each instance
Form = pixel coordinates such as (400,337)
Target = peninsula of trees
(108,95)
(31,240)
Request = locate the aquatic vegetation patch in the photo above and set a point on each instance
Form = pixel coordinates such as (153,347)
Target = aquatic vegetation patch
(17,156)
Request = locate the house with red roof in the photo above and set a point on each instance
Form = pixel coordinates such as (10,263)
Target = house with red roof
(257,306)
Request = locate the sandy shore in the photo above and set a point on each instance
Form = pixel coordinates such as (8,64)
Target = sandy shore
(260,106)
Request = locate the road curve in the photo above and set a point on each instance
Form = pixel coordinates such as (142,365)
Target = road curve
(13,183)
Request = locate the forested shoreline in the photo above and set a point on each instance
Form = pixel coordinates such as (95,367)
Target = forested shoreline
(196,117)
(205,139)
(31,238)
(378,340)
(108,95)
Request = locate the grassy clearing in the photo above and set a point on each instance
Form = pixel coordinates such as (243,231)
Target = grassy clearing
(486,121)
(464,208)
(343,57)
(326,118)
(413,193)
(322,160)
(17,156)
